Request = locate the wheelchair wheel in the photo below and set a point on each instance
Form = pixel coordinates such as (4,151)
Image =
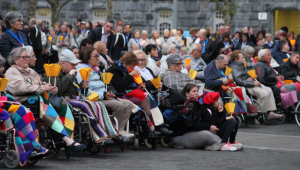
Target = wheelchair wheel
(136,144)
(107,150)
(147,143)
(238,118)
(165,142)
(280,120)
(11,159)
(31,163)
(57,151)
(94,151)
(297,116)
(123,147)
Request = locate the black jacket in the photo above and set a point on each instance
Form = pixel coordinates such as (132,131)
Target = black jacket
(239,45)
(279,56)
(118,45)
(209,51)
(120,81)
(266,46)
(219,46)
(8,42)
(96,35)
(212,117)
(265,74)
(289,71)
(36,39)
(26,34)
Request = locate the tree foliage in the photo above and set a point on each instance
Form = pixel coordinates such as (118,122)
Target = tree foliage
(228,8)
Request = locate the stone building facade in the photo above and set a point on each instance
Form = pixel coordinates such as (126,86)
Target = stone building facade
(157,14)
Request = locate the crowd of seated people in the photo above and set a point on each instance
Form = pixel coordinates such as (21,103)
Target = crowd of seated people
(209,54)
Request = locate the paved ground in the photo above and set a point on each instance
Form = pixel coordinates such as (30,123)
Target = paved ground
(265,147)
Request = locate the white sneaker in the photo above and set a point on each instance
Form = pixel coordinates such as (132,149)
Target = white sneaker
(213,147)
(126,135)
(238,146)
(228,147)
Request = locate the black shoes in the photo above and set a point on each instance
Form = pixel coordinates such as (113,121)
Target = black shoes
(164,130)
(107,142)
(73,148)
(122,140)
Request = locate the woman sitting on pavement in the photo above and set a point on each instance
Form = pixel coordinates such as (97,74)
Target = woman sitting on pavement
(121,108)
(213,113)
(174,78)
(263,93)
(23,80)
(191,133)
(123,81)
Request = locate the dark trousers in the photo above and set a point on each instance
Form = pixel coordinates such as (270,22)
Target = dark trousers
(228,130)
(39,61)
(57,137)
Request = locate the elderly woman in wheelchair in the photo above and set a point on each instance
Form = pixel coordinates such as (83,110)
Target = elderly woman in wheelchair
(23,80)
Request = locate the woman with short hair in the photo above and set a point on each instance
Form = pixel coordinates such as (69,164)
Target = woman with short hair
(174,78)
(13,37)
(136,39)
(175,39)
(121,108)
(51,47)
(145,40)
(123,82)
(102,50)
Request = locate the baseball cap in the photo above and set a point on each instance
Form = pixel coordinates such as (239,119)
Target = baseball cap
(82,22)
(68,55)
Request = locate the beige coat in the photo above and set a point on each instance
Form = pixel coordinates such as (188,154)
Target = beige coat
(67,42)
(22,81)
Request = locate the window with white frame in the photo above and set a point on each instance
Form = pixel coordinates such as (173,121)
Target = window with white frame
(218,21)
(44,14)
(164,21)
(99,14)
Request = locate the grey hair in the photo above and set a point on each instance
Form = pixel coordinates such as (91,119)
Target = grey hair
(11,17)
(2,60)
(29,49)
(15,54)
(193,47)
(110,21)
(144,32)
(220,57)
(166,48)
(166,30)
(295,53)
(247,50)
(185,49)
(173,58)
(262,53)
(119,29)
(77,29)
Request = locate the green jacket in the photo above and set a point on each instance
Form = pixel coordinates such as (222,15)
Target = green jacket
(64,83)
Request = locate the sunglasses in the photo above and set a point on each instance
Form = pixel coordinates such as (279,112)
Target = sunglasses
(178,64)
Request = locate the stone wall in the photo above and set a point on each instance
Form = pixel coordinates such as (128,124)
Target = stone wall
(143,14)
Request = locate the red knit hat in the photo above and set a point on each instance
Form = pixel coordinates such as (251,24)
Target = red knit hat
(211,97)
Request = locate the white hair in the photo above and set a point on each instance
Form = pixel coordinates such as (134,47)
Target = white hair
(144,32)
(29,49)
(166,30)
(167,47)
(193,47)
(262,53)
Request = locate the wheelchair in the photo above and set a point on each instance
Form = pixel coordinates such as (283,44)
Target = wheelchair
(8,153)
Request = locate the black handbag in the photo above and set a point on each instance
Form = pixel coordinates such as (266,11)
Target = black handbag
(55,101)
(52,50)
(176,98)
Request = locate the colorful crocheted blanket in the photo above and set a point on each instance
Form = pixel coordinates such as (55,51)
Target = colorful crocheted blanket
(62,120)
(26,135)
(5,121)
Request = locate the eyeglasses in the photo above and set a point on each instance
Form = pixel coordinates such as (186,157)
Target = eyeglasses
(34,56)
(96,56)
(178,64)
(25,57)
(141,60)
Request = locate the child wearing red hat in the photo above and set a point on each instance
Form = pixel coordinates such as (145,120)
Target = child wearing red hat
(214,114)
